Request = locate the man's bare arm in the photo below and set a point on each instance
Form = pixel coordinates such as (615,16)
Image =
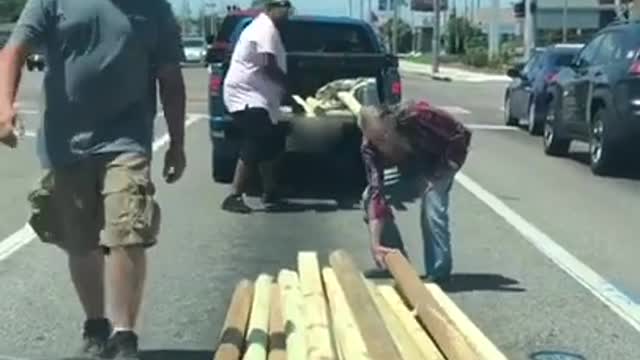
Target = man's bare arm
(173,98)
(273,70)
(12,59)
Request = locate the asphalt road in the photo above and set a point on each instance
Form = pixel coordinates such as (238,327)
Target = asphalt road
(523,301)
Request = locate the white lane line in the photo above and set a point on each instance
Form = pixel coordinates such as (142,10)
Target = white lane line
(617,301)
(28,112)
(455,110)
(490,127)
(25,235)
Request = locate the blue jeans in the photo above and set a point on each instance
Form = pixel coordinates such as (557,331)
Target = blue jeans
(434,224)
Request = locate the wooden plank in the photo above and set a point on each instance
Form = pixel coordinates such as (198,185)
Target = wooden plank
(471,332)
(407,348)
(293,315)
(277,338)
(350,102)
(379,342)
(258,332)
(443,330)
(348,337)
(416,332)
(231,341)
(315,308)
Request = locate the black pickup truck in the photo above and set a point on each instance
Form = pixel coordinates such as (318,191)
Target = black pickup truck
(319,50)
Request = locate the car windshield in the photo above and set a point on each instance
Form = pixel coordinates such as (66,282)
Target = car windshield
(193,43)
(562,59)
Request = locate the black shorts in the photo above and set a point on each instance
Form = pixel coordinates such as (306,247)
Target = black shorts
(261,139)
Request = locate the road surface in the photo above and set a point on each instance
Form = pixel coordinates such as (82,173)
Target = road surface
(509,206)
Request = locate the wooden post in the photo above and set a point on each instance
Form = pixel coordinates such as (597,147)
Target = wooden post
(293,315)
(257,336)
(231,342)
(416,332)
(348,336)
(379,343)
(315,308)
(277,339)
(442,329)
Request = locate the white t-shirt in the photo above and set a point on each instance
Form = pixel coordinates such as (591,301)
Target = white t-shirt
(246,83)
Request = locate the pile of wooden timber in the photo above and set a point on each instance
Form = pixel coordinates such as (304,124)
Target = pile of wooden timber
(335,313)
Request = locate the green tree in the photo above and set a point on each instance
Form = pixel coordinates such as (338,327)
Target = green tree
(10,10)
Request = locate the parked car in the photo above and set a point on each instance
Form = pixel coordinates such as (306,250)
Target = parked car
(319,50)
(527,97)
(597,100)
(195,50)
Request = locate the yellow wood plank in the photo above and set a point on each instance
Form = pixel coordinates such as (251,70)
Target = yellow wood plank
(416,332)
(346,332)
(277,342)
(231,341)
(292,310)
(315,308)
(258,332)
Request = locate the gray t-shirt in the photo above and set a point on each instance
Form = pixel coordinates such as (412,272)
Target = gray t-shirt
(100,84)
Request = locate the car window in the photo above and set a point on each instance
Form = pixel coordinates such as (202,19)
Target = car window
(531,63)
(588,53)
(561,59)
(193,43)
(309,36)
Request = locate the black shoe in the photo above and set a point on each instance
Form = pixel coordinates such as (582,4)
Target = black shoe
(94,337)
(123,345)
(235,204)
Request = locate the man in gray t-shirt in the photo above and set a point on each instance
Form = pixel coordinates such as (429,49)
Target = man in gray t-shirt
(104,58)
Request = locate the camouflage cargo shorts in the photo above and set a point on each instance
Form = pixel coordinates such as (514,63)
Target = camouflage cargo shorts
(104,202)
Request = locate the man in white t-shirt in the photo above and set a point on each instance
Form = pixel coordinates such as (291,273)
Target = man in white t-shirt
(253,90)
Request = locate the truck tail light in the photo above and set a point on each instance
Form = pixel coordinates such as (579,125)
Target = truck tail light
(215,85)
(396,88)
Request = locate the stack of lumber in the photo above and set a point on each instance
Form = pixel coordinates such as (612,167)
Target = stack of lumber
(335,313)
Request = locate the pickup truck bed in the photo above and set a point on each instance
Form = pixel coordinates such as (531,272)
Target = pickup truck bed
(313,61)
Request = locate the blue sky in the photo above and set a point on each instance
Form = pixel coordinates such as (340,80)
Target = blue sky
(318,7)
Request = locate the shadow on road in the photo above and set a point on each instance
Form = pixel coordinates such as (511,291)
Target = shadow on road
(628,171)
(176,355)
(462,282)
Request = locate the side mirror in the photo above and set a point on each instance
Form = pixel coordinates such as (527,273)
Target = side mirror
(514,73)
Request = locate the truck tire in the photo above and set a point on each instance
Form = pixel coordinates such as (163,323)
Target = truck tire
(602,150)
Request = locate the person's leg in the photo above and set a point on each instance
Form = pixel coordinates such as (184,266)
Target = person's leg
(234,202)
(272,145)
(131,225)
(434,221)
(75,198)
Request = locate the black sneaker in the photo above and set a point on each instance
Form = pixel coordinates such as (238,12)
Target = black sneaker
(123,345)
(235,204)
(94,337)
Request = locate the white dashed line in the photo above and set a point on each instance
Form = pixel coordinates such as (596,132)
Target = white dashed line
(25,235)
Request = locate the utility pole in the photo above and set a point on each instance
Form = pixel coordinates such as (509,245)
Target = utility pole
(396,15)
(530,28)
(350,8)
(618,6)
(565,10)
(635,10)
(494,30)
(361,9)
(436,36)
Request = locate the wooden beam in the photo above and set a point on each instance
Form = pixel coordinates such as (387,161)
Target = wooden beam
(406,346)
(350,102)
(315,308)
(416,332)
(471,332)
(443,330)
(277,337)
(257,336)
(348,336)
(293,315)
(379,342)
(231,341)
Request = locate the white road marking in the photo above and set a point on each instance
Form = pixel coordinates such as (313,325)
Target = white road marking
(455,110)
(617,301)
(25,235)
(28,112)
(490,127)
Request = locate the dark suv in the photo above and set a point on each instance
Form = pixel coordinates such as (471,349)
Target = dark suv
(596,99)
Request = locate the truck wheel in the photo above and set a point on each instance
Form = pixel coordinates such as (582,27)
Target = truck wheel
(29,67)
(509,119)
(554,143)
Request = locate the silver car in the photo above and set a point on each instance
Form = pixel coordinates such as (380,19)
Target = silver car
(195,50)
